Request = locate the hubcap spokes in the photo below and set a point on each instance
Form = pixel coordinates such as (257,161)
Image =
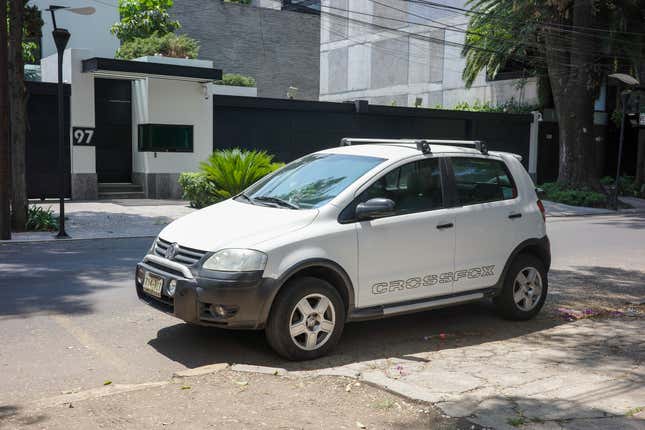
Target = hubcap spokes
(527,288)
(312,322)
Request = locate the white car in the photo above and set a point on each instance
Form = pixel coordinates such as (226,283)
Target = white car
(370,229)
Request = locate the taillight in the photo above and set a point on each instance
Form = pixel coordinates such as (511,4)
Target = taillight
(542,210)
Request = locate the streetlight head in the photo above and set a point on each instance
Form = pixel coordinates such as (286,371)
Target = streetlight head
(53,8)
(625,79)
(89,10)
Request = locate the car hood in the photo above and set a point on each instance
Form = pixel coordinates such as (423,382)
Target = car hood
(233,224)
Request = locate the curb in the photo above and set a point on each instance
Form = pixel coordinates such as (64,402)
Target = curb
(73,239)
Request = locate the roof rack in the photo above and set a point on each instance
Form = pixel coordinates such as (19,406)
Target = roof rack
(423,145)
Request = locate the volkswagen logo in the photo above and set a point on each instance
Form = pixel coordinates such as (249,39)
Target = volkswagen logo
(171,251)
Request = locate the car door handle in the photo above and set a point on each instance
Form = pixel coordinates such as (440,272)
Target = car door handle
(448,225)
(517,215)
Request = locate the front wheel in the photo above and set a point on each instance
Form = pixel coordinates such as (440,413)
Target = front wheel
(306,319)
(525,288)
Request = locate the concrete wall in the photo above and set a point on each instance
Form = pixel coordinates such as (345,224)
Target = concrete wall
(87,32)
(278,48)
(83,158)
(365,55)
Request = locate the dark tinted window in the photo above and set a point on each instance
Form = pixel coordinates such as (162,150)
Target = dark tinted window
(481,180)
(165,137)
(414,187)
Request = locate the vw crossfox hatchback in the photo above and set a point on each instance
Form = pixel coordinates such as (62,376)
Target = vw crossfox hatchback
(370,229)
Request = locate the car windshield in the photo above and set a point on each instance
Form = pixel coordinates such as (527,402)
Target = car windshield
(311,181)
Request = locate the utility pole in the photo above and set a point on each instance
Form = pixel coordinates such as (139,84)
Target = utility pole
(5,194)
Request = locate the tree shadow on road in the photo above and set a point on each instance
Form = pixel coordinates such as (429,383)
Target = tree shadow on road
(507,412)
(58,277)
(13,414)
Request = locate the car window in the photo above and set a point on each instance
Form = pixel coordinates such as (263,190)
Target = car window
(481,180)
(413,187)
(312,181)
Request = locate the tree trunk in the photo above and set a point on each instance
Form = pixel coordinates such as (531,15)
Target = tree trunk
(574,85)
(17,116)
(5,214)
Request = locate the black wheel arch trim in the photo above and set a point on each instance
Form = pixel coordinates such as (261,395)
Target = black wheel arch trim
(307,264)
(542,244)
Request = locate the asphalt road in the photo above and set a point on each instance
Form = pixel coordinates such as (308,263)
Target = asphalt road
(70,319)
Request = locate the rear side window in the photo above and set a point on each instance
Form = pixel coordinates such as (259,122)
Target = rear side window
(481,180)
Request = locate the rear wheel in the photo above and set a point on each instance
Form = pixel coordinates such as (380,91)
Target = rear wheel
(306,320)
(525,288)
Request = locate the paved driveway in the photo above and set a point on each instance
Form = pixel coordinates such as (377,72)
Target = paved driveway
(69,320)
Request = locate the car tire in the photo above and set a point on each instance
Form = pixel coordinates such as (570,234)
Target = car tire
(306,319)
(525,288)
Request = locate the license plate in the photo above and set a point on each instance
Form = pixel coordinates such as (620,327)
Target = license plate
(152,284)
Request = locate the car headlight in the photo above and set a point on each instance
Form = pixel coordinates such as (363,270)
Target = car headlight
(236,260)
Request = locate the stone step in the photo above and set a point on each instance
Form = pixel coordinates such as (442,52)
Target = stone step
(119,187)
(115,195)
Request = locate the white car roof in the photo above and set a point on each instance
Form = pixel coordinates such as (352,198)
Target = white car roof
(394,151)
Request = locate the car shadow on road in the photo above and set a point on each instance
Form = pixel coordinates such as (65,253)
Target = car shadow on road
(413,336)
(406,337)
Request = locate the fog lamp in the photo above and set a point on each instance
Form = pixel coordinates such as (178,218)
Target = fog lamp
(140,275)
(219,310)
(172,287)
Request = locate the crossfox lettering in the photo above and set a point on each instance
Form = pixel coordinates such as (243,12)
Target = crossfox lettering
(430,280)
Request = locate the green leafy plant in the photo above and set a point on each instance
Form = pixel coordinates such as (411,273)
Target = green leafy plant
(510,106)
(143,18)
(168,45)
(198,190)
(233,170)
(626,185)
(577,197)
(41,219)
(236,80)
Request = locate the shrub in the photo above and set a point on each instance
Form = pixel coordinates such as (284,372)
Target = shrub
(626,185)
(232,170)
(576,197)
(198,190)
(236,80)
(41,219)
(168,45)
(141,19)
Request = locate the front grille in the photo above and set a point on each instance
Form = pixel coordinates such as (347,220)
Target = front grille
(187,256)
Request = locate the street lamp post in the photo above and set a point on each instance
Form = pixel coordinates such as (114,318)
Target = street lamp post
(630,82)
(61,37)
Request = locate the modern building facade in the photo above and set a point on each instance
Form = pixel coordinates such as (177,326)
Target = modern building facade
(279,48)
(404,53)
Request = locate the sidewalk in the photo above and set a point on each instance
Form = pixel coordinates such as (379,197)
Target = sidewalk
(226,399)
(112,218)
(554,209)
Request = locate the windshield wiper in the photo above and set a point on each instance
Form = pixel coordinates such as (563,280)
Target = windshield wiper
(277,201)
(245,197)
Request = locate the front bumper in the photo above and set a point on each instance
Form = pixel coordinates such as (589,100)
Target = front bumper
(246,297)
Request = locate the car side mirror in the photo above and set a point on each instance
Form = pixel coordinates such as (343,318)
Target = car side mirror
(540,193)
(374,208)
